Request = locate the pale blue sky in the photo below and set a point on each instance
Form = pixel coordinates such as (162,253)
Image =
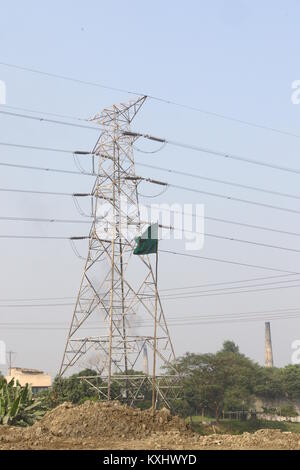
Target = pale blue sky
(232,57)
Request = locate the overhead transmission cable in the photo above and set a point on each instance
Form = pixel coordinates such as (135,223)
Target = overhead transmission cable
(213,284)
(152,97)
(44,237)
(216,180)
(182,295)
(86,237)
(212,235)
(213,152)
(46,149)
(226,261)
(189,189)
(233,289)
(40,111)
(155,167)
(49,170)
(49,121)
(166,141)
(215,219)
(181,323)
(233,222)
(84,152)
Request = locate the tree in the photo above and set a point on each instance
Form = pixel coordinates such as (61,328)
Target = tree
(217,382)
(17,405)
(230,346)
(269,382)
(291,381)
(71,389)
(76,391)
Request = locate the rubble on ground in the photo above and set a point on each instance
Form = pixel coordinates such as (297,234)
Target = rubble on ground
(110,425)
(111,419)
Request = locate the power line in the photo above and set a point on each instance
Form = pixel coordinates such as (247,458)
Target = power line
(36,305)
(68,194)
(74,194)
(216,315)
(220,181)
(234,157)
(49,170)
(47,220)
(49,121)
(172,323)
(168,141)
(213,284)
(39,111)
(57,170)
(83,237)
(71,79)
(258,227)
(220,237)
(154,98)
(84,152)
(247,312)
(233,222)
(233,198)
(195,295)
(213,194)
(191,319)
(173,296)
(220,260)
(238,240)
(38,299)
(25,299)
(185,188)
(236,320)
(231,289)
(43,237)
(213,152)
(195,319)
(48,193)
(220,318)
(249,242)
(46,149)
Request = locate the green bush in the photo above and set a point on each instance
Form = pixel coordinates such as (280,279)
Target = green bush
(288,410)
(17,405)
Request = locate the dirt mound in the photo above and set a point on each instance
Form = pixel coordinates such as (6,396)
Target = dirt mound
(47,434)
(261,439)
(95,425)
(113,420)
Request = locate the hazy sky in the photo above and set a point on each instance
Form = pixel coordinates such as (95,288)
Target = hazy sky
(233,57)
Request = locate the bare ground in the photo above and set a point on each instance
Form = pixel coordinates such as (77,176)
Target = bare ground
(113,426)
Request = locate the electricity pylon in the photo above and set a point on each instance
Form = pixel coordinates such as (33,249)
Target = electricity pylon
(117,288)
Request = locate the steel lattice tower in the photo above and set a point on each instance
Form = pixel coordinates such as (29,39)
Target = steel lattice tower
(117,287)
